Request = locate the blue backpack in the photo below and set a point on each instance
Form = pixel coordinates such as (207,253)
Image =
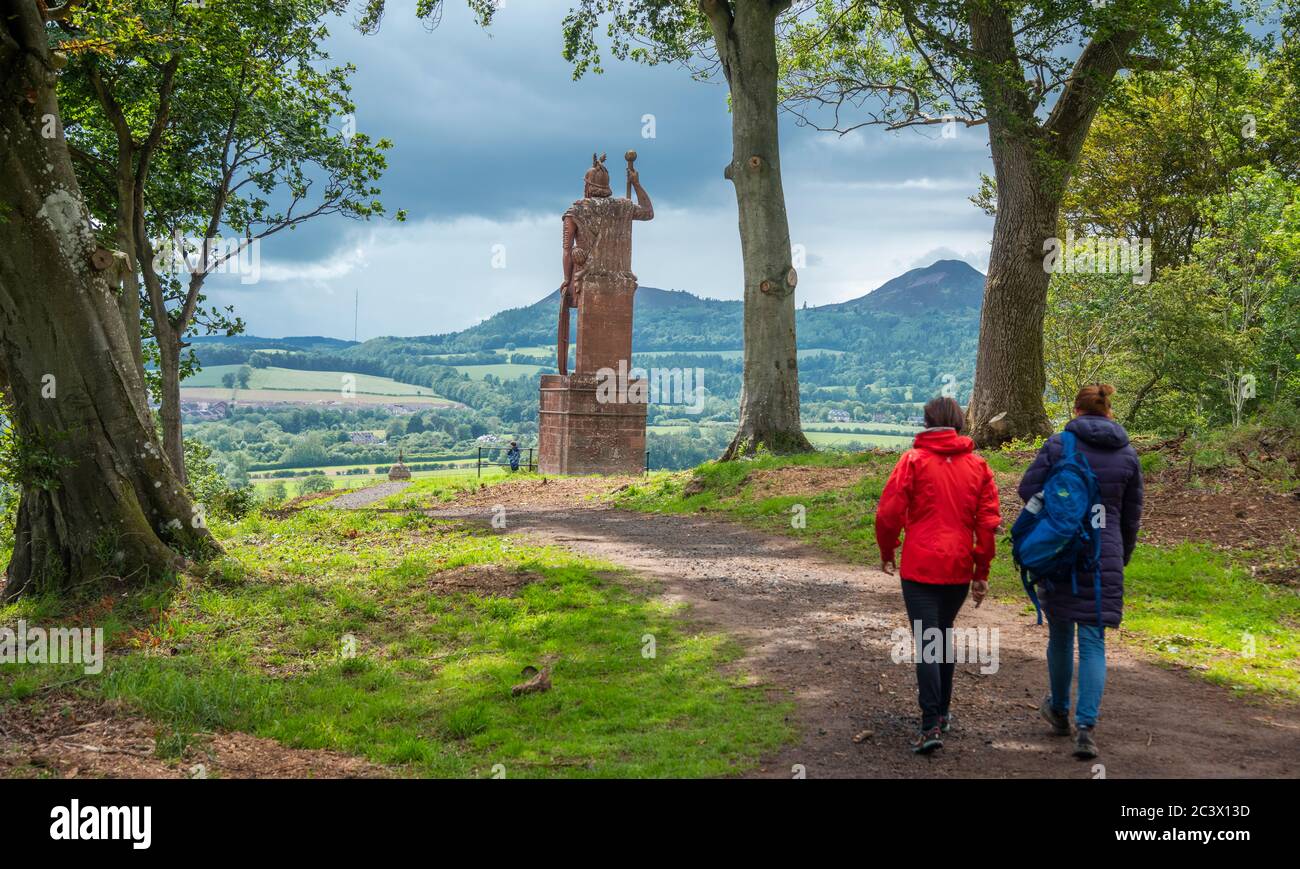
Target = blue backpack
(1058,533)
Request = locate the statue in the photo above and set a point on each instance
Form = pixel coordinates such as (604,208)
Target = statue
(598,239)
(580,431)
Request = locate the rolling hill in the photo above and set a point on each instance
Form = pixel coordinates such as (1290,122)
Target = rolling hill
(874,357)
(677,321)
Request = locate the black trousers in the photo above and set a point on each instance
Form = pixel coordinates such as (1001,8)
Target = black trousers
(934,606)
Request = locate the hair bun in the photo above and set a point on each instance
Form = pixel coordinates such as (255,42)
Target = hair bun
(1094,398)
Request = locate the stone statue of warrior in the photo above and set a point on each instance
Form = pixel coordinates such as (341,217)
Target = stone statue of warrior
(598,253)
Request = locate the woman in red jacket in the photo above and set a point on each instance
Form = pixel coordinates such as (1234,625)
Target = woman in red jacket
(944,495)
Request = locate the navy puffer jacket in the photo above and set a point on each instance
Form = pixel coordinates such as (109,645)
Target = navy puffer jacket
(1115,463)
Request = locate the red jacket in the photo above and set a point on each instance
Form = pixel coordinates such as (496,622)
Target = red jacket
(945,496)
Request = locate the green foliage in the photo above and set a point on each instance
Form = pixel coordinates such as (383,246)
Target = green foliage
(1210,339)
(314,483)
(211,488)
(1152,462)
(1024,445)
(275,492)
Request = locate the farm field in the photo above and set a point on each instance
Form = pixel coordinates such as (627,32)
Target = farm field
(305,396)
(500,370)
(287,379)
(358,481)
(804,353)
(843,439)
(816,432)
(908,430)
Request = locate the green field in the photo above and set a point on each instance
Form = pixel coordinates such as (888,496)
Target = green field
(818,437)
(359,481)
(725,354)
(500,370)
(291,379)
(900,428)
(838,439)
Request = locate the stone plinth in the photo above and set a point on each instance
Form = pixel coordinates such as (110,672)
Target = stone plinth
(579,435)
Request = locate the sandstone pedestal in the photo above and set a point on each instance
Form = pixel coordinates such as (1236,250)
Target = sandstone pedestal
(578,434)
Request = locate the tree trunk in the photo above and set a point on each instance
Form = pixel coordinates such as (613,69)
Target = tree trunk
(98,499)
(169,367)
(1032,163)
(1007,397)
(769,400)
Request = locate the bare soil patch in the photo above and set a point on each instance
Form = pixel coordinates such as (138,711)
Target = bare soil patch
(575,492)
(1235,515)
(489,580)
(806,479)
(73,737)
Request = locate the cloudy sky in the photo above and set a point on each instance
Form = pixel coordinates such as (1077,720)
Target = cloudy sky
(492,137)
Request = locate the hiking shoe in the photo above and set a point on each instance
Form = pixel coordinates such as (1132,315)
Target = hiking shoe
(927,741)
(1085,747)
(1059,721)
(945,722)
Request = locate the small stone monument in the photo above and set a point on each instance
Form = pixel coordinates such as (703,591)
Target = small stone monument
(583,429)
(399,471)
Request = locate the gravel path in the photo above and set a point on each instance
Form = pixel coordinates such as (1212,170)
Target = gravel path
(355,498)
(820,630)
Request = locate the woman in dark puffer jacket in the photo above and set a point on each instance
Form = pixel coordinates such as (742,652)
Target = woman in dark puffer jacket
(1115,464)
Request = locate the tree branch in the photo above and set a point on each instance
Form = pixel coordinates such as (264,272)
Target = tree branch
(1086,87)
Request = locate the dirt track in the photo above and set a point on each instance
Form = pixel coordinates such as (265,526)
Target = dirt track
(821,630)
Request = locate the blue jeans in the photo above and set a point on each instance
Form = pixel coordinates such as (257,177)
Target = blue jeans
(1092,668)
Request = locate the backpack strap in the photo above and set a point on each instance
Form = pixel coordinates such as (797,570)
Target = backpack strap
(1029,590)
(1067,444)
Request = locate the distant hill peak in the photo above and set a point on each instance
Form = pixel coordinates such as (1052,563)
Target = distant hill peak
(944,285)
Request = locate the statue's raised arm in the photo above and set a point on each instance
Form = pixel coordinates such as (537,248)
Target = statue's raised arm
(644,209)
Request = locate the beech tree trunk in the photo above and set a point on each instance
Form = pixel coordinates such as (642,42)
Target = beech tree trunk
(1007,397)
(769,400)
(99,500)
(1032,163)
(169,352)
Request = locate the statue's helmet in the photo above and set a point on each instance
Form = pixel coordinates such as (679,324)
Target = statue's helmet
(596,182)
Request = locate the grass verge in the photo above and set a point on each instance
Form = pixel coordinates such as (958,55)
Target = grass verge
(397,637)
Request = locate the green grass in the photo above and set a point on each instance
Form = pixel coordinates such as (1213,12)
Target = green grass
(817,434)
(499,370)
(258,646)
(804,353)
(871,427)
(358,481)
(1188,605)
(1198,608)
(840,439)
(438,489)
(293,379)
